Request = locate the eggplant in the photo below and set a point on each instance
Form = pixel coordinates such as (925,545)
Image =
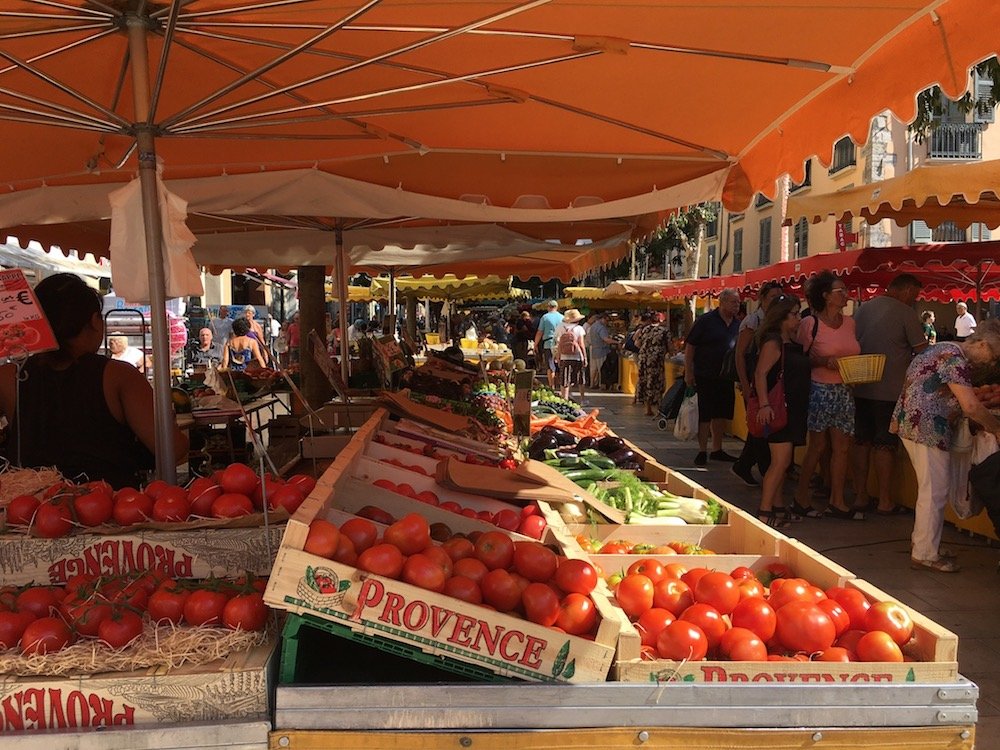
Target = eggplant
(587,443)
(610,444)
(564,438)
(626,458)
(540,444)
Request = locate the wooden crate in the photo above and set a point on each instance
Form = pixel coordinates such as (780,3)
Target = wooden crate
(238,687)
(197,553)
(934,647)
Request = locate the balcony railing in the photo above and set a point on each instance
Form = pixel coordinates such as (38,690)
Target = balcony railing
(957,140)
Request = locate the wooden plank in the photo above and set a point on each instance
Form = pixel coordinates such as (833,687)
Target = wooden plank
(627,738)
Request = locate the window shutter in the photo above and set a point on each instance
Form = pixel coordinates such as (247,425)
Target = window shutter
(920,233)
(982,92)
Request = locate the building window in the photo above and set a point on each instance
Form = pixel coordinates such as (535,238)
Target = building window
(801,238)
(761,200)
(712,261)
(957,140)
(737,251)
(947,231)
(764,258)
(844,155)
(806,179)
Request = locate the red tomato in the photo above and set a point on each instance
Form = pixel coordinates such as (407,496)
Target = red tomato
(790,590)
(750,588)
(94,508)
(12,625)
(376,514)
(41,601)
(682,640)
(719,590)
(154,488)
(53,519)
(205,607)
(541,603)
(385,484)
(576,576)
(167,604)
(675,570)
(834,653)
(673,595)
(239,479)
(652,569)
(507,519)
(45,635)
(855,604)
(304,482)
(426,496)
(849,642)
(361,532)
(892,618)
(406,489)
(694,575)
(459,548)
(634,594)
(440,557)
(420,570)
(287,496)
(840,619)
(383,560)
(651,623)
(535,561)
(231,505)
(500,590)
(756,615)
(85,613)
(346,554)
(803,626)
(132,507)
(471,568)
(878,645)
(201,495)
(577,614)
(709,619)
(411,534)
(171,505)
(740,644)
(495,550)
(120,629)
(743,573)
(322,539)
(245,612)
(463,588)
(21,510)
(532,526)
(615,547)
(270,484)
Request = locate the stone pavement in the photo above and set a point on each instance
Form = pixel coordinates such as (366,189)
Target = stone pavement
(877,549)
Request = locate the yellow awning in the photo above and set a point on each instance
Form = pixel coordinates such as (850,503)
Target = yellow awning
(452,288)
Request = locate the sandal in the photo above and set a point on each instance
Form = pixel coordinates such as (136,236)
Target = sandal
(845,515)
(805,511)
(772,519)
(939,565)
(789,514)
(897,510)
(947,554)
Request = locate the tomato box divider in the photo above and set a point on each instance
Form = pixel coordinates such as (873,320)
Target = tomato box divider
(931,642)
(395,437)
(396,610)
(384,453)
(444,439)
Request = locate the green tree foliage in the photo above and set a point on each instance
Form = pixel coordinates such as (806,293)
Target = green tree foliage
(931,103)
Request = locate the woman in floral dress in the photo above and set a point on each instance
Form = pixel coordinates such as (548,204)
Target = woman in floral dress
(654,346)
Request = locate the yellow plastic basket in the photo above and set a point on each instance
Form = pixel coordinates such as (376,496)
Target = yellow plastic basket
(862,368)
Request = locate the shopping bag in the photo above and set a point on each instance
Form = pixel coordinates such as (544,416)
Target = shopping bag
(686,426)
(981,484)
(671,402)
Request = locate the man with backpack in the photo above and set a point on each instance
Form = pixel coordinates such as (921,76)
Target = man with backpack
(571,352)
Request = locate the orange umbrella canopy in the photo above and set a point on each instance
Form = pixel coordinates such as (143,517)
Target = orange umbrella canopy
(532,103)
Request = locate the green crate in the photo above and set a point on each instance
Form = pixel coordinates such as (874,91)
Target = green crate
(290,670)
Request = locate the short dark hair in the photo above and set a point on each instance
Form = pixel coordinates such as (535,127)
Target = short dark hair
(820,284)
(68,303)
(768,286)
(905,281)
(241,327)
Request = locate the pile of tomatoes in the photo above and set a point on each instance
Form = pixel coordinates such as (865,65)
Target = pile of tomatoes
(490,569)
(699,613)
(528,522)
(114,609)
(230,493)
(625,547)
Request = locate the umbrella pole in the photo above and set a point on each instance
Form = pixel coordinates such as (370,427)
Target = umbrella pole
(392,301)
(345,346)
(979,292)
(166,459)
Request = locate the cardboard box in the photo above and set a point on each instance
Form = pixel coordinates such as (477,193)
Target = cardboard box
(197,553)
(238,687)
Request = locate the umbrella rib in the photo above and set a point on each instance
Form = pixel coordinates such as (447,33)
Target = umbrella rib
(161,70)
(64,48)
(280,59)
(73,115)
(239,9)
(402,89)
(59,30)
(46,16)
(69,91)
(377,58)
(46,119)
(108,13)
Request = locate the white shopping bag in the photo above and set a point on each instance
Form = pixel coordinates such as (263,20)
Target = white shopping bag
(686,426)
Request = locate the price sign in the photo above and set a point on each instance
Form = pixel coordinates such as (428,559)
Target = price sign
(521,411)
(24,329)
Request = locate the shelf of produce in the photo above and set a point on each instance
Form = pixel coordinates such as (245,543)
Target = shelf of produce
(946,708)
(232,735)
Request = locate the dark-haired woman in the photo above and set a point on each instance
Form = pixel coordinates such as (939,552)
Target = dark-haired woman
(781,356)
(89,416)
(826,336)
(241,349)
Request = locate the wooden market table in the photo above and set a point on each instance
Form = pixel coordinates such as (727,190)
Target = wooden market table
(230,419)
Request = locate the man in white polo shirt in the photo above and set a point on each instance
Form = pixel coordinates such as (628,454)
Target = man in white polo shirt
(965,324)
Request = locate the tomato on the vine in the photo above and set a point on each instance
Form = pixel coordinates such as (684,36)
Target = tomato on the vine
(167,603)
(245,612)
(53,519)
(204,607)
(45,635)
(12,625)
(120,629)
(21,510)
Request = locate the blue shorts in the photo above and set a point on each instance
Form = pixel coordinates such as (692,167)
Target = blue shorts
(831,405)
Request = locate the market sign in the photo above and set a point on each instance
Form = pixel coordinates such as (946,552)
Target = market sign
(24,329)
